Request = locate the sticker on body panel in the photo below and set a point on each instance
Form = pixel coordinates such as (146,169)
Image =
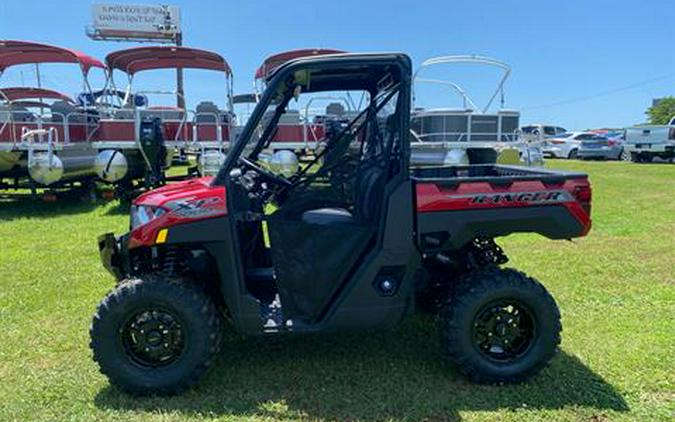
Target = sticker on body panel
(541,197)
(197,208)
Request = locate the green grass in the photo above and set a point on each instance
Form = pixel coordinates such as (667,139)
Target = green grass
(615,288)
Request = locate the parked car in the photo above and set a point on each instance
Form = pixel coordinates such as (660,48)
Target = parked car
(604,147)
(645,142)
(539,132)
(565,145)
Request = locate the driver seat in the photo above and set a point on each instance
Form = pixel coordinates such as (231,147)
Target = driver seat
(367,201)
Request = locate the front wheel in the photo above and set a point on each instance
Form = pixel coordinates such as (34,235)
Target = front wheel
(573,154)
(155,337)
(625,156)
(500,326)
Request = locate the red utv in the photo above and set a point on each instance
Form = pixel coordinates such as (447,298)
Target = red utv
(354,240)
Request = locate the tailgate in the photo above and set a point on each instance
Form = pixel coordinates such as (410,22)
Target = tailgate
(648,135)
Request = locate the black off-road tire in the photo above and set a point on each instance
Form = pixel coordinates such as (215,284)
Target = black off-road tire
(476,292)
(200,325)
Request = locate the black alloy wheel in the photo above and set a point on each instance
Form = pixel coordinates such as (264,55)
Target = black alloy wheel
(153,336)
(500,326)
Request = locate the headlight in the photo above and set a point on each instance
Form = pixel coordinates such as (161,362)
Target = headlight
(143,214)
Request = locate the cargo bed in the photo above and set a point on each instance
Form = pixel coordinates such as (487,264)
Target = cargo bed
(456,204)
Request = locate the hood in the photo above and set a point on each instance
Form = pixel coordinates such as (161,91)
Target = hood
(180,193)
(184,202)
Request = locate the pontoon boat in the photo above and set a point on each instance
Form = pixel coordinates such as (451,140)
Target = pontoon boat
(44,135)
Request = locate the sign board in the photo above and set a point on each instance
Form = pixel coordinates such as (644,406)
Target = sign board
(134,22)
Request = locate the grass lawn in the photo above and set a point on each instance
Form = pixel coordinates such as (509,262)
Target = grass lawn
(615,288)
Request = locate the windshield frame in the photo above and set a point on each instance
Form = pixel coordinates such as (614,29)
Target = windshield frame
(281,77)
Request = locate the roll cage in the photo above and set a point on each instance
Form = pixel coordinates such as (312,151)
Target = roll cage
(368,72)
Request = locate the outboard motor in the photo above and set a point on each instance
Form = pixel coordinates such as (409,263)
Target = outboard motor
(153,149)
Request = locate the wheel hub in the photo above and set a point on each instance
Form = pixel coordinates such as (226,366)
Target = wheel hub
(503,330)
(153,338)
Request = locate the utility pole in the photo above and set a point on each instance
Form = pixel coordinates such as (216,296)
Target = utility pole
(39,84)
(180,95)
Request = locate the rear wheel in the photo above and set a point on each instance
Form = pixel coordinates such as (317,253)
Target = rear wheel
(625,156)
(155,337)
(500,326)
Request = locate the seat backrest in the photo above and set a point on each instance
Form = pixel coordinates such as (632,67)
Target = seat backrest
(61,110)
(124,114)
(163,113)
(207,112)
(335,109)
(368,192)
(290,117)
(21,114)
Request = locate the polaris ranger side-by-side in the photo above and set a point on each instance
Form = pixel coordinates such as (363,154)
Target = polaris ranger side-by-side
(356,239)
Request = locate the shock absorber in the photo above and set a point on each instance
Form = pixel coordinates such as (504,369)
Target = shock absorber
(173,263)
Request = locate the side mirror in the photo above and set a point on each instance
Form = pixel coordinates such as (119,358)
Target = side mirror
(284,163)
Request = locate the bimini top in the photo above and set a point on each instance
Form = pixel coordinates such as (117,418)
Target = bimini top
(137,59)
(24,93)
(273,62)
(23,52)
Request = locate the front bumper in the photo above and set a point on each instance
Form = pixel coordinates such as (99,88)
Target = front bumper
(553,152)
(653,148)
(114,254)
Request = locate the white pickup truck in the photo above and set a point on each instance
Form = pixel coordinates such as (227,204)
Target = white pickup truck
(644,142)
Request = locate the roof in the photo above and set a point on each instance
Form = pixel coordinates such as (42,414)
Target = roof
(137,59)
(23,93)
(273,62)
(24,52)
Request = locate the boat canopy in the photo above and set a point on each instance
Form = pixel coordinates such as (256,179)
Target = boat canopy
(137,59)
(245,99)
(23,52)
(273,62)
(24,93)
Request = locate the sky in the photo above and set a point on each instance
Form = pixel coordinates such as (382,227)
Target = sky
(575,63)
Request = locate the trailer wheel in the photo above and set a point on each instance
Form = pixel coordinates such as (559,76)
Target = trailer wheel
(500,326)
(152,336)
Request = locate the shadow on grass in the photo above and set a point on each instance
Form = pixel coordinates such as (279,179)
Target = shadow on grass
(120,208)
(398,375)
(26,206)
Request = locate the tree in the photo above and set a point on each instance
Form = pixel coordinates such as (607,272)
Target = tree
(661,113)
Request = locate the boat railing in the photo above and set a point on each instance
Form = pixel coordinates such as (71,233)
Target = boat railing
(309,127)
(215,119)
(431,137)
(30,121)
(28,139)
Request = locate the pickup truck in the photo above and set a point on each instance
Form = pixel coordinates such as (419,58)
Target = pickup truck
(356,239)
(645,142)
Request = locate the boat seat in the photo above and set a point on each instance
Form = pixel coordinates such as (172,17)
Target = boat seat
(62,110)
(21,114)
(291,117)
(164,113)
(207,112)
(324,216)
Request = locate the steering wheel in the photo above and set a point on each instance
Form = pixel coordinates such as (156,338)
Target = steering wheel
(268,175)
